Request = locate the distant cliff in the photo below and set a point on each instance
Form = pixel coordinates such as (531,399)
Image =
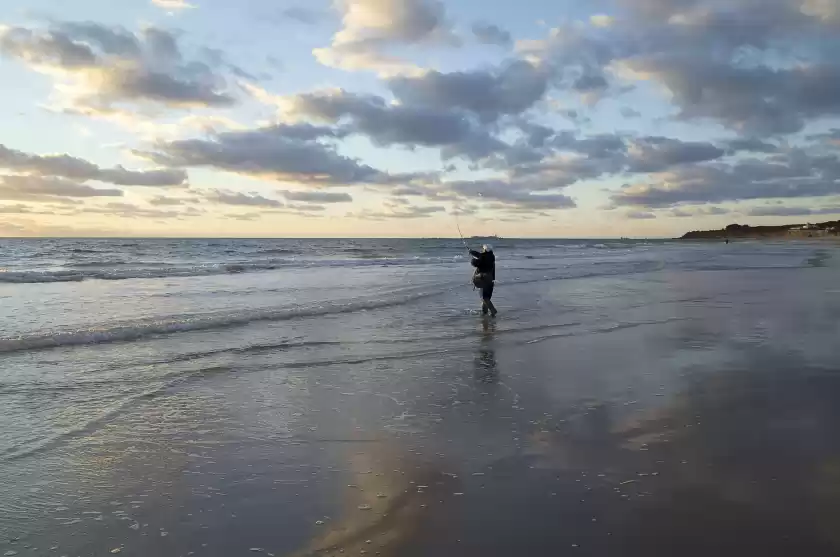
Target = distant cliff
(829,228)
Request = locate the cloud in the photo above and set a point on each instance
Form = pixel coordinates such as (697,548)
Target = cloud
(602,146)
(19,209)
(38,188)
(784,176)
(129,210)
(601,20)
(751,145)
(80,169)
(242,199)
(491,34)
(782,211)
(244,216)
(293,153)
(100,69)
(509,193)
(699,211)
(173,4)
(759,67)
(714,211)
(316,196)
(370,27)
(567,158)
(413,212)
(628,112)
(390,124)
(510,89)
(163,201)
(304,15)
(832,137)
(639,215)
(756,100)
(654,154)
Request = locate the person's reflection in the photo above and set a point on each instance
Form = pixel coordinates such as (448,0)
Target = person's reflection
(486,370)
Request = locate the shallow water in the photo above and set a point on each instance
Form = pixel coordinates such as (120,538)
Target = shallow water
(233,407)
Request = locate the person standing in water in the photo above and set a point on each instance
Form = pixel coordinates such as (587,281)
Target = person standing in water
(484,276)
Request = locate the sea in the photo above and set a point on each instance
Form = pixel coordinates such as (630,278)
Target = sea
(142,380)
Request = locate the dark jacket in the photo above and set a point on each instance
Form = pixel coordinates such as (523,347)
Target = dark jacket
(484,263)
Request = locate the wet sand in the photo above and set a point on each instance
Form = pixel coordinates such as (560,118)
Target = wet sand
(707,425)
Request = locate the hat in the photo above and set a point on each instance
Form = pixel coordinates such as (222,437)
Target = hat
(487,247)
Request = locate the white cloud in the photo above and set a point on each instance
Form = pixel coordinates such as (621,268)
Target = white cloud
(108,71)
(173,4)
(370,27)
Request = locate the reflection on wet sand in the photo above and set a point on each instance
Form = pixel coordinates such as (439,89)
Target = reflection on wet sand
(742,460)
(486,367)
(384,508)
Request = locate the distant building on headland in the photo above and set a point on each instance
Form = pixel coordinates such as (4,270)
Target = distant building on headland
(805,232)
(811,231)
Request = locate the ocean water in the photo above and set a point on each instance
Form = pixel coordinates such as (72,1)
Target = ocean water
(143,375)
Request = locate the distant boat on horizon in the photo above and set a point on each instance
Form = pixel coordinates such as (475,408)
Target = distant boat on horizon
(493,237)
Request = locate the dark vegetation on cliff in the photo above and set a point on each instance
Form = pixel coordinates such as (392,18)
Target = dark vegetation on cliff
(747,231)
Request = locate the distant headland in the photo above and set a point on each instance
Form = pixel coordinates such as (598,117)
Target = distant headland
(820,230)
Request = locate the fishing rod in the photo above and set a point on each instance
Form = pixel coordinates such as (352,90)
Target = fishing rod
(461,234)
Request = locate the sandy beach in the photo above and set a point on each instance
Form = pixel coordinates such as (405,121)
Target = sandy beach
(673,411)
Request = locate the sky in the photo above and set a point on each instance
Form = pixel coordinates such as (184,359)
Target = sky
(372,118)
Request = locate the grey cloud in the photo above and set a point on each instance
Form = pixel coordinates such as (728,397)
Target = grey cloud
(491,34)
(242,199)
(535,135)
(597,147)
(412,191)
(712,211)
(628,112)
(760,67)
(281,152)
(306,208)
(414,212)
(511,89)
(597,156)
(791,175)
(832,136)
(15,209)
(782,211)
(129,210)
(115,41)
(639,215)
(245,216)
(25,188)
(396,202)
(388,124)
(750,100)
(112,65)
(559,172)
(316,196)
(751,145)
(509,193)
(304,15)
(54,48)
(699,211)
(654,154)
(163,201)
(80,169)
(720,61)
(589,83)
